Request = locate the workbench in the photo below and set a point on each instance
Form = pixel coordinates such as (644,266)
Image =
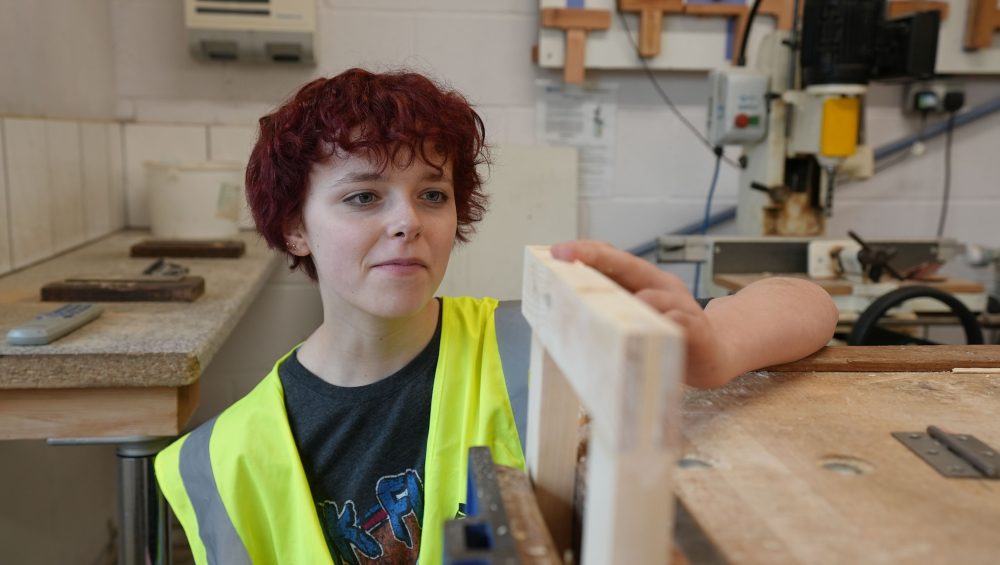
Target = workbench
(798,465)
(130,377)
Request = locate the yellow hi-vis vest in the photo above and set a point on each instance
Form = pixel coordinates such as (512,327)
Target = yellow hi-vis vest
(238,487)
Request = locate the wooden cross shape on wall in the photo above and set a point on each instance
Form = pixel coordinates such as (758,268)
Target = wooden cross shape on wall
(576,23)
(981,23)
(651,14)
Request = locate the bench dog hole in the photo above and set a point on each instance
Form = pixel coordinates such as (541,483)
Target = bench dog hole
(692,462)
(846,465)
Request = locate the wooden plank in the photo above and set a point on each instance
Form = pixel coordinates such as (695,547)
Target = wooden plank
(527,525)
(96,163)
(900,8)
(568,18)
(576,45)
(553,421)
(28,191)
(981,23)
(5,258)
(624,362)
(895,358)
(64,161)
(186,289)
(779,455)
(841,287)
(217,248)
(95,412)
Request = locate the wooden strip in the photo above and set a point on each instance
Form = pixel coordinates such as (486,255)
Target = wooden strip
(982,20)
(568,18)
(722,10)
(650,30)
(210,248)
(895,358)
(553,407)
(624,362)
(95,412)
(527,526)
(573,67)
(187,289)
(902,8)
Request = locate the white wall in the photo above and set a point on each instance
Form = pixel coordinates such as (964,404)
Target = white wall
(482,47)
(57,58)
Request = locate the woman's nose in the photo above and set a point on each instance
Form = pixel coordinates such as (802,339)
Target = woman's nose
(406,222)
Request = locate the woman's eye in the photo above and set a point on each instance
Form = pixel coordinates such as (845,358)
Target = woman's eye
(362,198)
(435,196)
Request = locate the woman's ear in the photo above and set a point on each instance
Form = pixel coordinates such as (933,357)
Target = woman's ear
(295,239)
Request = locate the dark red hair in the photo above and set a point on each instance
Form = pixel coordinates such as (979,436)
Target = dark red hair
(389,118)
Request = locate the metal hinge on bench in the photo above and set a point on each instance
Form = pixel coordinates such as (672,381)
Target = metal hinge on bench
(953,455)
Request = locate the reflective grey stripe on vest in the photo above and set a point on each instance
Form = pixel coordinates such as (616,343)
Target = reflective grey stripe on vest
(222,544)
(514,342)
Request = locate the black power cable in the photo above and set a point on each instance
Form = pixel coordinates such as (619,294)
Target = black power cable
(666,99)
(946,196)
(741,61)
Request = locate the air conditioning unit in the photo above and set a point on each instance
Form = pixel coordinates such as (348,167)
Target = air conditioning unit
(255,31)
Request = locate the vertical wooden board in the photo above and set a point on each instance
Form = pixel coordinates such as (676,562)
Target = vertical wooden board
(5,261)
(63,156)
(156,142)
(233,144)
(28,191)
(533,201)
(97,200)
(553,428)
(629,513)
(116,172)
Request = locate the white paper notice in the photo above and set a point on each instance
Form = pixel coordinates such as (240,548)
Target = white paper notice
(583,118)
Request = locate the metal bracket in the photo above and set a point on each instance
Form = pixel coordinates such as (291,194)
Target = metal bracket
(953,455)
(484,536)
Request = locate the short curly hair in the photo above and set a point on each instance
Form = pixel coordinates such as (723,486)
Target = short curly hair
(389,117)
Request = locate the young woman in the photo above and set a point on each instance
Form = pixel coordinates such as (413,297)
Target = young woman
(354,447)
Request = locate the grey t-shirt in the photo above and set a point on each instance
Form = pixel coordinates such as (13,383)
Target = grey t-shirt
(363,451)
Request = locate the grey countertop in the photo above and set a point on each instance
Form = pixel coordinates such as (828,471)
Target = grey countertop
(140,344)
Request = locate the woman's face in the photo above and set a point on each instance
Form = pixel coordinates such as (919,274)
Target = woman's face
(380,241)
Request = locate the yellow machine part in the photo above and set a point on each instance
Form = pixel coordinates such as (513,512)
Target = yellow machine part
(841,117)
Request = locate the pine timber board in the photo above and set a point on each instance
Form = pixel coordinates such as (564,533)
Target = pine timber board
(840,287)
(896,358)
(623,362)
(767,498)
(900,8)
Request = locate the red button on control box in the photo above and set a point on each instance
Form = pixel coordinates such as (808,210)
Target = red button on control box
(742,120)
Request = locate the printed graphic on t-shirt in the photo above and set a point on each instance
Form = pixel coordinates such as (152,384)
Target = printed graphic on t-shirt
(387,532)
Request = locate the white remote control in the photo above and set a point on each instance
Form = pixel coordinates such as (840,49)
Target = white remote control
(51,326)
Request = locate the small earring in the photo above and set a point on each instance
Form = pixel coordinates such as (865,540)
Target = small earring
(292,246)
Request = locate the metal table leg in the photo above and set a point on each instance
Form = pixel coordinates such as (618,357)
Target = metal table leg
(144,534)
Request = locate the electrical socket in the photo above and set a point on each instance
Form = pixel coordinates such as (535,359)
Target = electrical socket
(933,97)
